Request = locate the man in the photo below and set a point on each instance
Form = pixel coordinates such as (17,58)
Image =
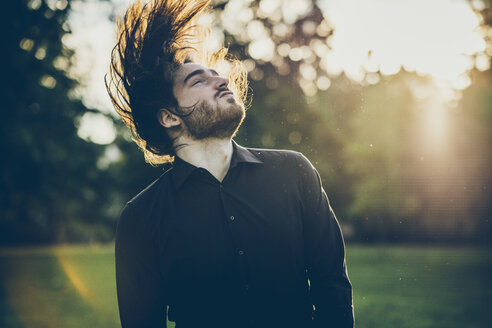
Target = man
(229,236)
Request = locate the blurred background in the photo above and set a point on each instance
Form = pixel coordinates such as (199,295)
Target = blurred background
(390,100)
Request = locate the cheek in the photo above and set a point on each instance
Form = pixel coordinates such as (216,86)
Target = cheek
(184,99)
(191,98)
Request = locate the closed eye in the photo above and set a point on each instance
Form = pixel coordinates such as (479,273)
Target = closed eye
(196,82)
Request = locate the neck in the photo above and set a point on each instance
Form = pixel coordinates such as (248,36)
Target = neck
(212,154)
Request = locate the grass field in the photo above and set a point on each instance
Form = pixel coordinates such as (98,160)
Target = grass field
(394,287)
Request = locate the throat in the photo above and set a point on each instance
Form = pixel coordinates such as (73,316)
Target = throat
(214,155)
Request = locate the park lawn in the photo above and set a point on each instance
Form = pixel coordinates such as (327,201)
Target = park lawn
(394,287)
(417,286)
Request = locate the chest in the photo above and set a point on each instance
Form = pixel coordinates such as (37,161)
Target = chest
(213,228)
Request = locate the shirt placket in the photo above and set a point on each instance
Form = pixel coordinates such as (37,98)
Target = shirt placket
(241,253)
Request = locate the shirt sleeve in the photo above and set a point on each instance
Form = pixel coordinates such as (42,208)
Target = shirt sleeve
(330,288)
(138,281)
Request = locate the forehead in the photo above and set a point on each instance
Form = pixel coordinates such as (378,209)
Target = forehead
(186,69)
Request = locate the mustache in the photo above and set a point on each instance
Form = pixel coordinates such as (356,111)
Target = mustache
(217,94)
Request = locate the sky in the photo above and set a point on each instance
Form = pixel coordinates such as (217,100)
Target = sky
(439,38)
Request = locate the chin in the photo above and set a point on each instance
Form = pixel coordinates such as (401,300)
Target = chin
(231,100)
(220,121)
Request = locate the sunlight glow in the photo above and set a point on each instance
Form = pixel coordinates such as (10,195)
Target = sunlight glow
(430,37)
(93,36)
(435,125)
(439,38)
(73,276)
(96,128)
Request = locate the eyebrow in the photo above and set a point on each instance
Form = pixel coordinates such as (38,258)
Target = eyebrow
(198,72)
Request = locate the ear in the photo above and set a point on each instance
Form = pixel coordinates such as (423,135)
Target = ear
(167,119)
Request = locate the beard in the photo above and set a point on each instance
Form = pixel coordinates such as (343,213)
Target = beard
(214,119)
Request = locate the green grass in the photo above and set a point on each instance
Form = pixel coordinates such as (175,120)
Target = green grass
(394,287)
(419,287)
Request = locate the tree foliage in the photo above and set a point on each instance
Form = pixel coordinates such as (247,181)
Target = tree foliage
(51,188)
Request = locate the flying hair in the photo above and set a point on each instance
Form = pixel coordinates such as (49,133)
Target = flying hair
(154,38)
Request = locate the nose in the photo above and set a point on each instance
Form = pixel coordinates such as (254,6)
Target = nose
(221,82)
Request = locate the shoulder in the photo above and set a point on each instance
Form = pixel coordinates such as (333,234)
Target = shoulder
(275,155)
(149,193)
(293,159)
(139,207)
(139,222)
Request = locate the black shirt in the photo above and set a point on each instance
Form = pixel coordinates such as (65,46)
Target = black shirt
(257,250)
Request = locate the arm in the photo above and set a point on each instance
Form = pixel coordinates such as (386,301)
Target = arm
(330,288)
(138,281)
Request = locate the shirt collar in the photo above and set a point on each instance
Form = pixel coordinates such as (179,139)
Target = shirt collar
(182,169)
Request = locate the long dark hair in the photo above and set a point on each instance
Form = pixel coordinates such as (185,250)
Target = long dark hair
(154,39)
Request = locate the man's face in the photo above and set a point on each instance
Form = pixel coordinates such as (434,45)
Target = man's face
(215,113)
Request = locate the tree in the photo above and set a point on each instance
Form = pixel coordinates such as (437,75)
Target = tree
(51,188)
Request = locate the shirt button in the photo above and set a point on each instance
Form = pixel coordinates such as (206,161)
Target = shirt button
(231,218)
(221,186)
(246,287)
(241,252)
